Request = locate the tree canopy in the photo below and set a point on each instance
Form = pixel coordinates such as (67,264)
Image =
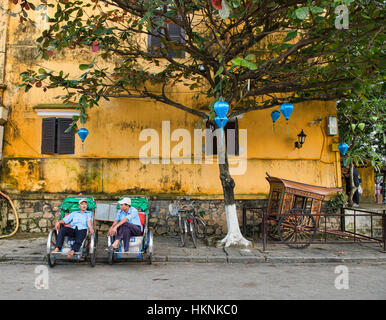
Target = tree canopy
(262,54)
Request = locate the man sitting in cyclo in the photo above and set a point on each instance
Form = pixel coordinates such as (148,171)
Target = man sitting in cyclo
(126,225)
(80,222)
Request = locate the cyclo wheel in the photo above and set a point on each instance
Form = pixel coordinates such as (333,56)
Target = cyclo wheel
(199,228)
(150,247)
(110,254)
(93,248)
(51,243)
(297,228)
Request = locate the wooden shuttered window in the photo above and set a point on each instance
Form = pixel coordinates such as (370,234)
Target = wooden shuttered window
(232,147)
(49,136)
(54,138)
(176,34)
(66,140)
(154,43)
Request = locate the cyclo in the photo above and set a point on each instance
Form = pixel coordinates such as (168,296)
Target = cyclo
(89,244)
(140,246)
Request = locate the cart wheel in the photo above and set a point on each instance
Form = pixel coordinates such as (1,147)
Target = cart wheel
(150,247)
(297,228)
(51,243)
(193,233)
(273,230)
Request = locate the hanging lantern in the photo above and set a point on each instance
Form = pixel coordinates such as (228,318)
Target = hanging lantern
(221,108)
(225,10)
(275,115)
(286,110)
(343,147)
(83,133)
(217,4)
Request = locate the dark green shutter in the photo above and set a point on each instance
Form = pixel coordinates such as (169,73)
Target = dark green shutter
(49,136)
(176,34)
(66,141)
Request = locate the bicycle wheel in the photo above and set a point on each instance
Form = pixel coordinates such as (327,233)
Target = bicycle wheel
(200,228)
(172,229)
(183,230)
(192,231)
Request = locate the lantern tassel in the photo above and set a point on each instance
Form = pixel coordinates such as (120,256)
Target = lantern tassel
(82,147)
(287,127)
(273,128)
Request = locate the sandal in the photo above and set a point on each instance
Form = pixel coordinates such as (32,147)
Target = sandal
(111,248)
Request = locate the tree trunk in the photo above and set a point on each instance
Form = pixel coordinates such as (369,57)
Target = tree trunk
(234,236)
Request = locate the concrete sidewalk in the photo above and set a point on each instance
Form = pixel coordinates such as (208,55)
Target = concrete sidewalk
(168,250)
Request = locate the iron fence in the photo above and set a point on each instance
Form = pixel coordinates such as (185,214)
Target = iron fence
(349,225)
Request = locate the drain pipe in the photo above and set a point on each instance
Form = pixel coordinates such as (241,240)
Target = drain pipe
(3,41)
(3,120)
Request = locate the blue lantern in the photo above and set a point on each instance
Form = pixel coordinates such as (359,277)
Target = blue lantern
(286,110)
(83,133)
(343,147)
(275,115)
(221,108)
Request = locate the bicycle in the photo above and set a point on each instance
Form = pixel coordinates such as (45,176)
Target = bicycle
(192,222)
(182,224)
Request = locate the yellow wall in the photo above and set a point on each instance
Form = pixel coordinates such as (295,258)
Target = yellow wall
(110,162)
(367,176)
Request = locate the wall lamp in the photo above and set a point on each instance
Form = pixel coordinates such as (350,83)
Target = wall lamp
(301,139)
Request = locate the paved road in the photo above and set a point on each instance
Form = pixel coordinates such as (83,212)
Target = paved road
(193,281)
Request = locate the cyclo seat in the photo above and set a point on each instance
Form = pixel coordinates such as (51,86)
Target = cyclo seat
(142,219)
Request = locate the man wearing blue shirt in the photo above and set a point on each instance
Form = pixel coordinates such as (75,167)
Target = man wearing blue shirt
(126,225)
(80,222)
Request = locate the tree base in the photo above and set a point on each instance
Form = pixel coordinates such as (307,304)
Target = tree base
(232,240)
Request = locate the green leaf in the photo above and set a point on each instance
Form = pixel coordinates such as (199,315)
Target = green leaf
(250,57)
(251,65)
(316,10)
(301,13)
(290,36)
(85,66)
(361,126)
(219,71)
(238,61)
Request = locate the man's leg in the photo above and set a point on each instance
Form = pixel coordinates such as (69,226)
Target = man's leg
(79,237)
(126,231)
(63,232)
(356,197)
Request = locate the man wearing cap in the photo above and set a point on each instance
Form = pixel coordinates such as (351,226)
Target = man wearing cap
(126,225)
(80,222)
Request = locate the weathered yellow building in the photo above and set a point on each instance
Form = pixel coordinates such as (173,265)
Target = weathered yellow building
(111,164)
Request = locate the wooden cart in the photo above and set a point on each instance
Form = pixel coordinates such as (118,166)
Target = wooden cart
(293,210)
